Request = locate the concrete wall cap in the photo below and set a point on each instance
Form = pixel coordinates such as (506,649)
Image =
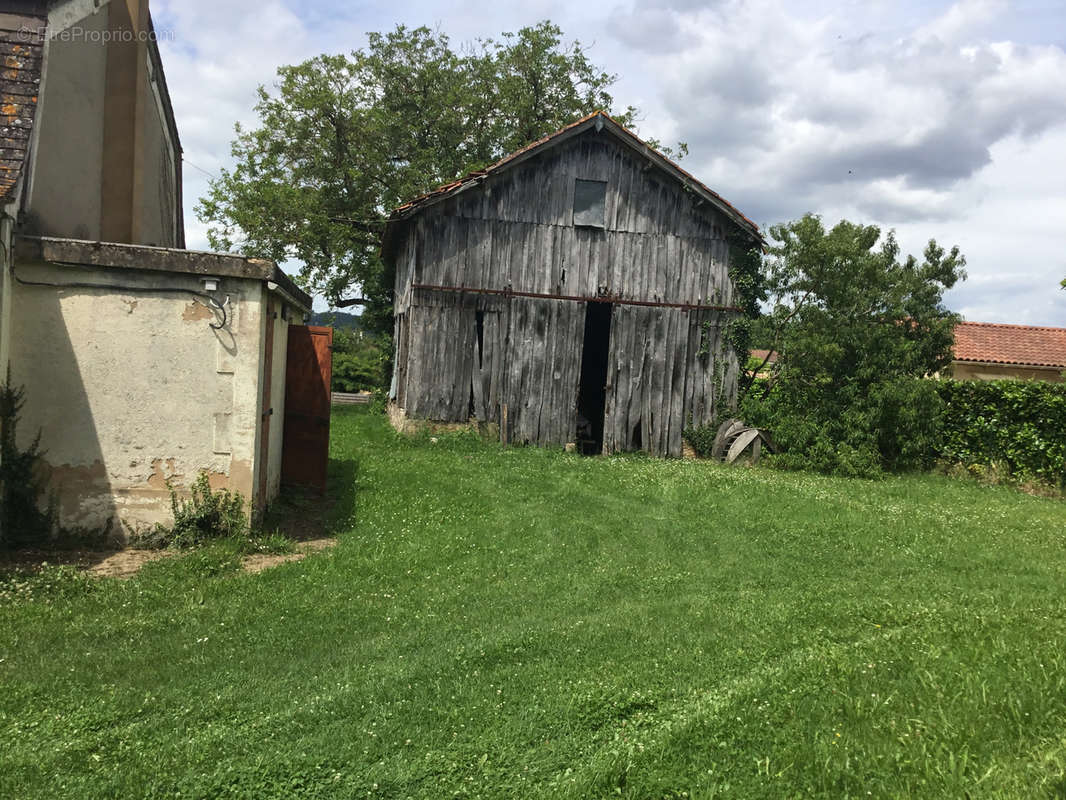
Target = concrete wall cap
(113,255)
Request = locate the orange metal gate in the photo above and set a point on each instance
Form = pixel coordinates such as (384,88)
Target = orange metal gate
(305,442)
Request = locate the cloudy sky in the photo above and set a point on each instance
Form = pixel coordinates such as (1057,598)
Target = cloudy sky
(943,120)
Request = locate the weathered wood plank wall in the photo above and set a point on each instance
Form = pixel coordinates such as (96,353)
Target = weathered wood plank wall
(668,367)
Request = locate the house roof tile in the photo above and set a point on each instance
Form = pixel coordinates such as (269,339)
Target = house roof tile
(21,55)
(1025,345)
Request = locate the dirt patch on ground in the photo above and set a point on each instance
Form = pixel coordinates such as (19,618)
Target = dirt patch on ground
(300,516)
(126,563)
(111,563)
(262,561)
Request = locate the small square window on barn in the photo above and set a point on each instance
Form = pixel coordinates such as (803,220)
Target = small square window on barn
(590,200)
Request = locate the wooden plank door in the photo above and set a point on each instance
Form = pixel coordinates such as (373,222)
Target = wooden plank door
(305,440)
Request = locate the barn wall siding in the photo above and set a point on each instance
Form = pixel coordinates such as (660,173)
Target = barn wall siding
(546,259)
(668,367)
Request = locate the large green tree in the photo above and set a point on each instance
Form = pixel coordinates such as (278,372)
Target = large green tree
(342,140)
(857,328)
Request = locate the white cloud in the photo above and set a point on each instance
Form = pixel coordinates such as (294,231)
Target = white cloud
(930,129)
(947,121)
(962,18)
(216,55)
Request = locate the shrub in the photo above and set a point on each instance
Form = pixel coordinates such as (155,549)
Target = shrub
(22,484)
(1011,428)
(354,372)
(905,417)
(701,438)
(890,424)
(360,361)
(856,327)
(204,516)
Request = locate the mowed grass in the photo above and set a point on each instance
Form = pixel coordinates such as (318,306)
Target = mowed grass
(531,624)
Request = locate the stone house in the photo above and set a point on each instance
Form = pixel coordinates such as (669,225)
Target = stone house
(143,363)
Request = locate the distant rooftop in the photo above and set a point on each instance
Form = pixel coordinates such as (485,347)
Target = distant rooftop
(995,343)
(1025,345)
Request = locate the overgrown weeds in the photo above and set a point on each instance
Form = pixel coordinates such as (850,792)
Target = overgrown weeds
(212,516)
(998,473)
(206,515)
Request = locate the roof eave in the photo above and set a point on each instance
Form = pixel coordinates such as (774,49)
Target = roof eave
(1019,364)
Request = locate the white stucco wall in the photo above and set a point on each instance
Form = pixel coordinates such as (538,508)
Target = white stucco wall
(131,388)
(64,197)
(970,371)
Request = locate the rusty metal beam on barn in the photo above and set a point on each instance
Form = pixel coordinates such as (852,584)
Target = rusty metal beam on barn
(601,298)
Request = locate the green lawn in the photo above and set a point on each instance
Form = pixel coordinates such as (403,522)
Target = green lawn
(531,624)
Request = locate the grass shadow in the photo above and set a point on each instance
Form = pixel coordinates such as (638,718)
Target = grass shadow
(83,548)
(304,514)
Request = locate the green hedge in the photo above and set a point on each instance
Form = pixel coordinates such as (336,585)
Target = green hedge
(1017,426)
(1019,423)
(356,372)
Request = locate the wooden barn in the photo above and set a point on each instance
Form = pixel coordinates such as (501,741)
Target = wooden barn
(575,291)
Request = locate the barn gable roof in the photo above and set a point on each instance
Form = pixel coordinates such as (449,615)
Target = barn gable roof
(600,121)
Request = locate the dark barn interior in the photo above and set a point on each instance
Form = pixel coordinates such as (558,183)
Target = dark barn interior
(592,391)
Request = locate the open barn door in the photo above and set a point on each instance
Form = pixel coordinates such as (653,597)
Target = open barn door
(592,390)
(308,370)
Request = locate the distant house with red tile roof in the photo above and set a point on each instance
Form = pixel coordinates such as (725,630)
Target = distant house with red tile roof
(990,351)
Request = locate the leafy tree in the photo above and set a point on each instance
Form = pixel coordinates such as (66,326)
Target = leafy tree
(359,360)
(856,330)
(342,140)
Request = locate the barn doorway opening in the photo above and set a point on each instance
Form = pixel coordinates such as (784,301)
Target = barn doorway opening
(592,391)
